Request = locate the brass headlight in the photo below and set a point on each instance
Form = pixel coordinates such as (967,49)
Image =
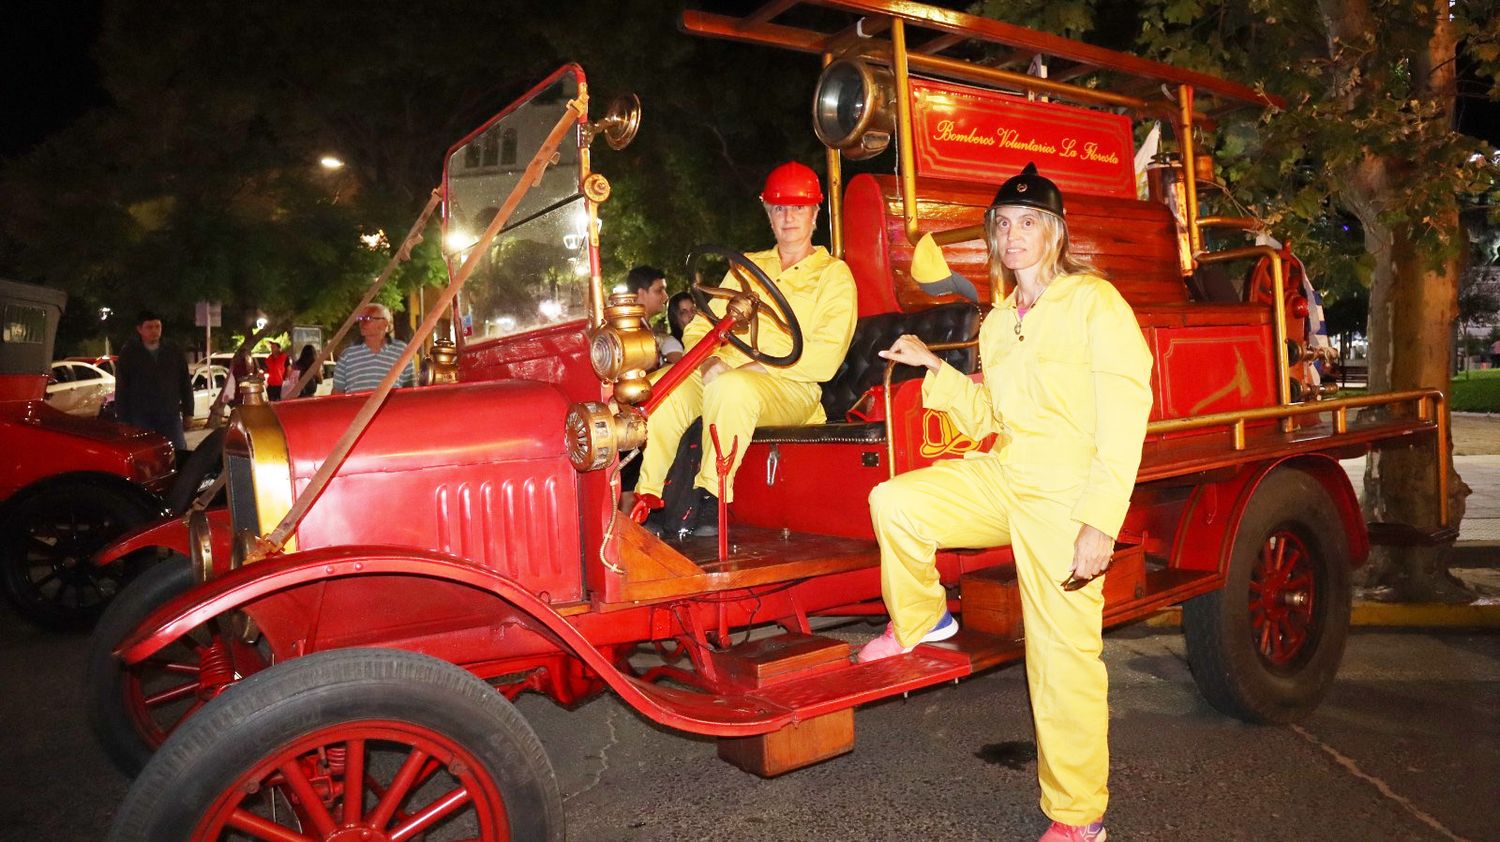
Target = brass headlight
(623,349)
(607,354)
(854,108)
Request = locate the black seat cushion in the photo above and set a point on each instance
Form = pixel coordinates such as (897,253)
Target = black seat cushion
(863,367)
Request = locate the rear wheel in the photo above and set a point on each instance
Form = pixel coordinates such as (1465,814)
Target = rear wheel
(47,543)
(1265,647)
(349,744)
(133,709)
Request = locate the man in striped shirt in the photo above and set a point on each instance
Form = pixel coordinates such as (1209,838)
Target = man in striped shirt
(362,365)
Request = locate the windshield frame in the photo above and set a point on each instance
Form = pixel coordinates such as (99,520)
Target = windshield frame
(590,244)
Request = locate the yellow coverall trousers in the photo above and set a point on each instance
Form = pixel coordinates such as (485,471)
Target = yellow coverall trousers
(980,502)
(736,402)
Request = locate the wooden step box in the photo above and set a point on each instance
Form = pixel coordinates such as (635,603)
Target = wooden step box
(992,597)
(772,660)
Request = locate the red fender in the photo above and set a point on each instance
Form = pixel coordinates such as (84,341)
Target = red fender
(671,707)
(1203,545)
(171,534)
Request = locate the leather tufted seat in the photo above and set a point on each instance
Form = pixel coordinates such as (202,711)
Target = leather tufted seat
(862,369)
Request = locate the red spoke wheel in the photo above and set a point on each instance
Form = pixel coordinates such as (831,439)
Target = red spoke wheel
(1266,647)
(425,781)
(132,710)
(354,744)
(1282,599)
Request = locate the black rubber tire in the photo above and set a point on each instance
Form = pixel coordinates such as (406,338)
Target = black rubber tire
(104,674)
(201,467)
(61,527)
(1222,648)
(261,716)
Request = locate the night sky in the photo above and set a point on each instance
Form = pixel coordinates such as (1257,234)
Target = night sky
(48,77)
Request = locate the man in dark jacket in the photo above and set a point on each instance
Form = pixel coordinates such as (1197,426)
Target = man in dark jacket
(151,383)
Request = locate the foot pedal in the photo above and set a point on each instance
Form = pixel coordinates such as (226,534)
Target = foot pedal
(775,660)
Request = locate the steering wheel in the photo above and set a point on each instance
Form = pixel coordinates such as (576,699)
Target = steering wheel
(744,273)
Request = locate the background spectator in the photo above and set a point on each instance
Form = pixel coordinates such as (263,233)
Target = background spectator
(362,365)
(152,390)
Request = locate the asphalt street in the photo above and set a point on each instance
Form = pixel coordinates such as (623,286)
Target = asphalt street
(1406,748)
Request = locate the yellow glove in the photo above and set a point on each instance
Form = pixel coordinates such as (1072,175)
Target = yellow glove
(927,263)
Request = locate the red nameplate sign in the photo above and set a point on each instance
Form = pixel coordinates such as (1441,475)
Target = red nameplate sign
(972,135)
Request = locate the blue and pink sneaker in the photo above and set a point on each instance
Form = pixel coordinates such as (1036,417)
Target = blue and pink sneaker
(886,646)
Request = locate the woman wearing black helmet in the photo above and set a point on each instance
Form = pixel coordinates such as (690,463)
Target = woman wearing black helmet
(1067,392)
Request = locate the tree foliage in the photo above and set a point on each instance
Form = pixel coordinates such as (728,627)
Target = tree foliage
(200,180)
(1346,100)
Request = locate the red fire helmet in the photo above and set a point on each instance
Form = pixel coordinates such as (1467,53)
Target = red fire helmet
(792,184)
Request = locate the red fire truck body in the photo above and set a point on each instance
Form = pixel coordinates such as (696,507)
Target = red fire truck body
(471,539)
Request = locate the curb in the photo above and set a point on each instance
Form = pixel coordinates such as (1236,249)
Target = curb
(1390,615)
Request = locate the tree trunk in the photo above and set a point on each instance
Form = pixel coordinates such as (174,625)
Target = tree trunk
(1413,303)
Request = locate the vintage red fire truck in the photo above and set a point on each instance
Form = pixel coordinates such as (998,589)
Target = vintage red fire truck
(69,486)
(335,655)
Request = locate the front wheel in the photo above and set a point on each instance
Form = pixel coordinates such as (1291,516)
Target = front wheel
(47,543)
(133,709)
(1265,647)
(349,744)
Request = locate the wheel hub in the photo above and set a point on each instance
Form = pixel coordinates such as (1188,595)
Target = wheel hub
(1282,598)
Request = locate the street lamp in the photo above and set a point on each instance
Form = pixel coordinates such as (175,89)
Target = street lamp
(104,314)
(331,162)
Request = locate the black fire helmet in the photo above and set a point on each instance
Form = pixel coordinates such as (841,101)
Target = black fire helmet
(1028,190)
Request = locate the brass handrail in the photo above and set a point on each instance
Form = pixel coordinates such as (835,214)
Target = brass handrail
(1429,405)
(1429,408)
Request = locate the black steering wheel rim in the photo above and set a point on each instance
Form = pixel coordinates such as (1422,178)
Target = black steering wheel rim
(701,302)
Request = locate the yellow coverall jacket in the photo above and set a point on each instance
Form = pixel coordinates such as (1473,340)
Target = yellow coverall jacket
(1069,396)
(820,290)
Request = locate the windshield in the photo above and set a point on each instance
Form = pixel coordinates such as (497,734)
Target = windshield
(536,272)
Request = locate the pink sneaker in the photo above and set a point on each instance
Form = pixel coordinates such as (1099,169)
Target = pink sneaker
(1060,832)
(886,645)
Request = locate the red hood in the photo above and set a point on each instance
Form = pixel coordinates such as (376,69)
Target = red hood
(39,414)
(44,442)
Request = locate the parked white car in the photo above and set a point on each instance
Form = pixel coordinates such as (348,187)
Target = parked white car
(207,382)
(79,388)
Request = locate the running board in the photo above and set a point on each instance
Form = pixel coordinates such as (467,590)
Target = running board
(830,686)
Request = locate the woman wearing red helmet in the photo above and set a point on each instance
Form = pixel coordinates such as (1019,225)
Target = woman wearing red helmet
(1060,351)
(736,394)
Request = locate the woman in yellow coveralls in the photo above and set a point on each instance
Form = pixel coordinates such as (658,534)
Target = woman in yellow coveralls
(1067,390)
(734,393)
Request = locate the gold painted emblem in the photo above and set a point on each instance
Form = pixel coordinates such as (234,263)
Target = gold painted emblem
(941,438)
(1240,381)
